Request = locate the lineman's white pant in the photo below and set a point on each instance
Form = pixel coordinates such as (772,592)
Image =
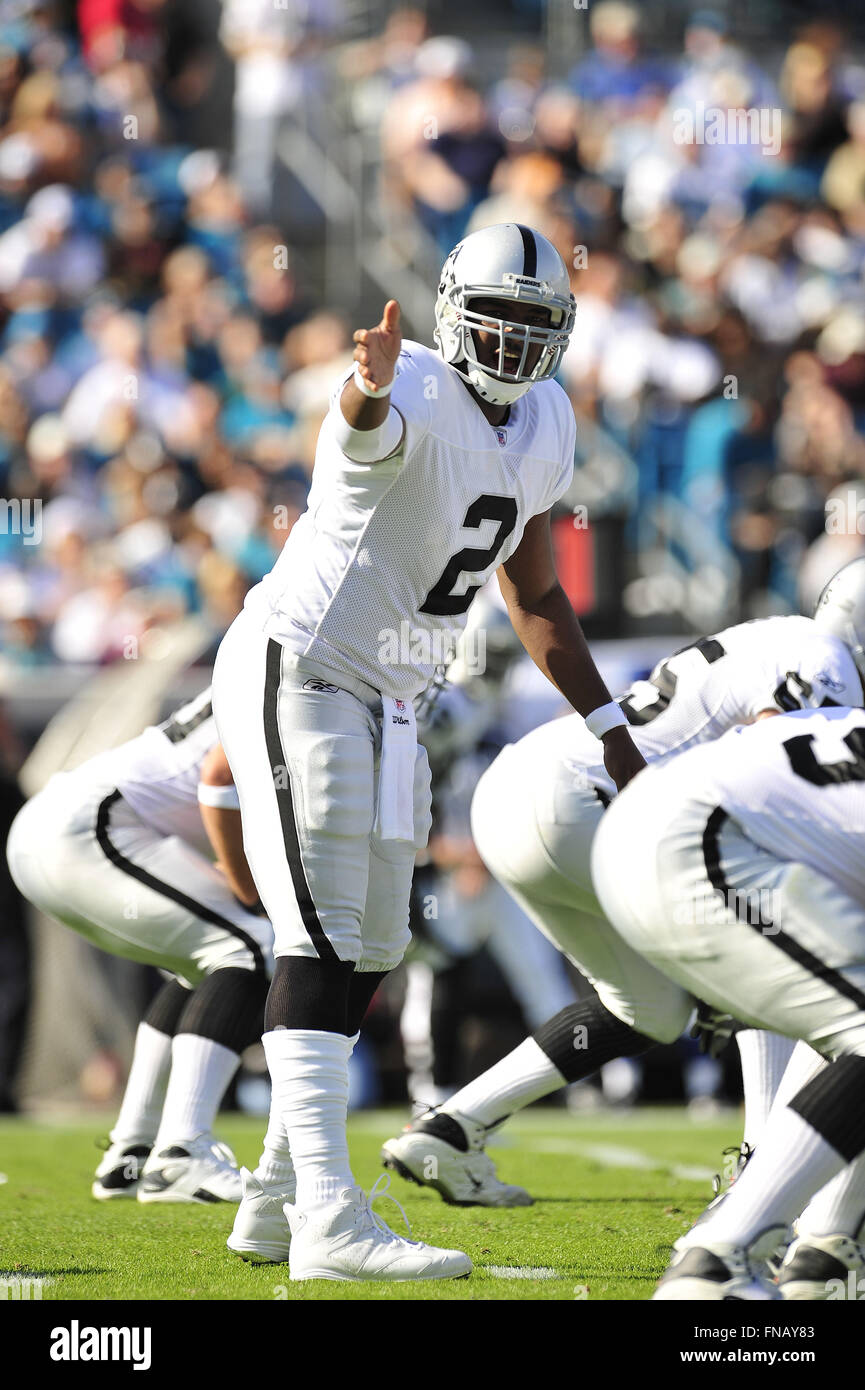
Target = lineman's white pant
(534,823)
(305,752)
(774,943)
(79,853)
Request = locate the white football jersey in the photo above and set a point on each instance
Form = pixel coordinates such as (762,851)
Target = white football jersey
(158,772)
(707,688)
(795,785)
(377,576)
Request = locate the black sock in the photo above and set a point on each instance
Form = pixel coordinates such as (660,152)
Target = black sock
(585,1035)
(361,990)
(309,993)
(833,1103)
(228,1008)
(166,1006)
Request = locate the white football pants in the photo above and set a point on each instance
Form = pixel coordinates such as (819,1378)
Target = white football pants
(305,753)
(79,853)
(774,943)
(534,823)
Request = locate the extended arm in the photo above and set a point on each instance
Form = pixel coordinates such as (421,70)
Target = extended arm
(548,629)
(222,824)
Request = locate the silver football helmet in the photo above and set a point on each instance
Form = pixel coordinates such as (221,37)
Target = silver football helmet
(841,609)
(504,262)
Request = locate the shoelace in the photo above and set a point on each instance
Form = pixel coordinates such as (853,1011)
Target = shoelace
(745,1151)
(382,1189)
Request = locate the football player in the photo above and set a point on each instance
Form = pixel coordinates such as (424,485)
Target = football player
(745,887)
(122,850)
(433,469)
(534,817)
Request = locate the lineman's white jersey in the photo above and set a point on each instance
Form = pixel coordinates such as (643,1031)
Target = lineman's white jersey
(706,689)
(376,577)
(158,773)
(794,785)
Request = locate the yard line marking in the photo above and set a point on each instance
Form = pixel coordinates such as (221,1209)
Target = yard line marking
(616,1156)
(521,1272)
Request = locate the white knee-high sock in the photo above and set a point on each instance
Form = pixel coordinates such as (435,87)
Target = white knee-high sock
(200,1072)
(803,1064)
(764,1060)
(143,1098)
(524,1075)
(839,1207)
(792,1162)
(275,1168)
(309,1077)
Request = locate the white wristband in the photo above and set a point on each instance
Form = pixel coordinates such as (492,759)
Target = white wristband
(367,390)
(605,718)
(223,798)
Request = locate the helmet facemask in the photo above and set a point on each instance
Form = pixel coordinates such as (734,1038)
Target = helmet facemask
(511,376)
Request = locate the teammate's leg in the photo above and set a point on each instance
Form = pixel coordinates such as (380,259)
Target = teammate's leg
(224,1016)
(135,1129)
(764,1057)
(538,847)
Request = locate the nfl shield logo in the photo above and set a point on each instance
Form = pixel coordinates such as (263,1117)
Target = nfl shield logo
(501,436)
(400,704)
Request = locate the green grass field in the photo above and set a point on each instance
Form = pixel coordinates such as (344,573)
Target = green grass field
(612,1194)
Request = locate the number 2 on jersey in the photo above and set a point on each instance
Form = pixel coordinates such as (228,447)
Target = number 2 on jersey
(441,601)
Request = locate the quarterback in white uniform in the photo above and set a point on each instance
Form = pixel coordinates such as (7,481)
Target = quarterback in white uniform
(432,471)
(745,886)
(122,850)
(534,818)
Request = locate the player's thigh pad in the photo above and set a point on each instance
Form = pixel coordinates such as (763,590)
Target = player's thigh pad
(776,944)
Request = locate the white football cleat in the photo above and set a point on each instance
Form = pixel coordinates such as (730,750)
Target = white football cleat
(261,1233)
(816,1268)
(723,1273)
(347,1240)
(200,1170)
(119,1172)
(445,1151)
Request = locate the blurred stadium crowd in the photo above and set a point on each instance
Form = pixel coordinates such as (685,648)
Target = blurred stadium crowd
(165,357)
(168,339)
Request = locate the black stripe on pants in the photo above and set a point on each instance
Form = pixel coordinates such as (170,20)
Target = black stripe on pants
(800,954)
(167,890)
(285,804)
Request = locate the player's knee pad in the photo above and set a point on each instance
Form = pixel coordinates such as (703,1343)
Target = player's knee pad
(228,1008)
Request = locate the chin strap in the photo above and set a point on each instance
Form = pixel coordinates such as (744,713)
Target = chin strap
(489,387)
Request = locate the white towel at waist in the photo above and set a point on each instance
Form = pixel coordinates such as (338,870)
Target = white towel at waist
(394,818)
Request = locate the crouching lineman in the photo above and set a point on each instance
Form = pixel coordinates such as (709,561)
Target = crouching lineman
(534,817)
(738,872)
(122,851)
